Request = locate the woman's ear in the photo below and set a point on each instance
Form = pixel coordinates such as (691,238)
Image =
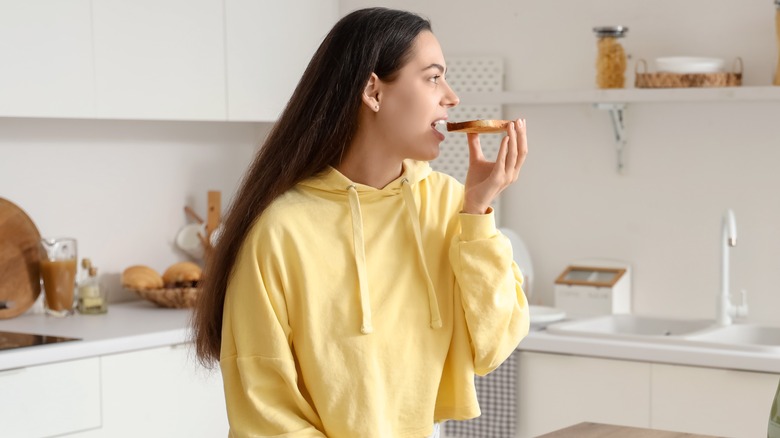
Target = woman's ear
(371,94)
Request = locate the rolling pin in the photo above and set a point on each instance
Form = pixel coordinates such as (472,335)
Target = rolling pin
(777,29)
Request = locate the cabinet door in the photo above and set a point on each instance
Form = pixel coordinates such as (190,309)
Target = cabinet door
(46,58)
(49,400)
(711,401)
(557,391)
(160,59)
(269,45)
(161,392)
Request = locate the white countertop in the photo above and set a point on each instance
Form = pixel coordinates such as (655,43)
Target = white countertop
(139,325)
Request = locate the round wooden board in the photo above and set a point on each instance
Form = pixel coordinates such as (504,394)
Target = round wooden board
(19,259)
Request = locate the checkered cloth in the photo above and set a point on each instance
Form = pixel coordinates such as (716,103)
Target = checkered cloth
(497,395)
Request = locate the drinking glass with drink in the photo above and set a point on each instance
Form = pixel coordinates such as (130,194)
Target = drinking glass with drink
(58,271)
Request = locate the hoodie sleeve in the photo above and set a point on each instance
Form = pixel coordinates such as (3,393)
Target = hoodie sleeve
(262,390)
(489,283)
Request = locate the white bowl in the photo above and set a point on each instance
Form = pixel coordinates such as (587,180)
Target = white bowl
(689,64)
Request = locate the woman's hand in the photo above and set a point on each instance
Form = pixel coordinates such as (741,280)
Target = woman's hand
(485,179)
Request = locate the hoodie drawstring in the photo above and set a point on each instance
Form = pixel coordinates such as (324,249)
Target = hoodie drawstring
(360,258)
(411,208)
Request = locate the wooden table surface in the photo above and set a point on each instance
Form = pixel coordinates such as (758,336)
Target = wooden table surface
(598,430)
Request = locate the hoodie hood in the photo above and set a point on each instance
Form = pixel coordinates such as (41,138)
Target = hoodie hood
(335,183)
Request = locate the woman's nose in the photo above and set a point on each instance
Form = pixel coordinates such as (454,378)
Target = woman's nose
(450,99)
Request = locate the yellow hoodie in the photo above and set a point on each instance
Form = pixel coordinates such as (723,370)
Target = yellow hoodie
(361,312)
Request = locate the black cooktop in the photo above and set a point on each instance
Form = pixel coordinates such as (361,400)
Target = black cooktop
(11,340)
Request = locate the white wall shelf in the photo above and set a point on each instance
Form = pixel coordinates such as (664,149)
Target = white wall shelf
(615,101)
(629,95)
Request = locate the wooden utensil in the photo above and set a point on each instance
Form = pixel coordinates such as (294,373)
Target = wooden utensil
(777,30)
(191,213)
(600,430)
(19,260)
(213,218)
(214,214)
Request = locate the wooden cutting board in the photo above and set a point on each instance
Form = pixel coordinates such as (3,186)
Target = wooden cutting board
(19,259)
(598,430)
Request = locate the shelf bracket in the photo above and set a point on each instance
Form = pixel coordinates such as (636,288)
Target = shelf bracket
(616,111)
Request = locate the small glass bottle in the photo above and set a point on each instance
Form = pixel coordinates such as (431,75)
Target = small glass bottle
(611,58)
(85,265)
(92,297)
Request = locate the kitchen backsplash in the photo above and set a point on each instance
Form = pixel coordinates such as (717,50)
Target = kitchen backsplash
(119,187)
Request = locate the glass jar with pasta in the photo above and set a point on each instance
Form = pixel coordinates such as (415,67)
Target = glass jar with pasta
(611,58)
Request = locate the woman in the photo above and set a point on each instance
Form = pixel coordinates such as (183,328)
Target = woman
(354,292)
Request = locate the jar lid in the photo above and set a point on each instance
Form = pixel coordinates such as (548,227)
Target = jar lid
(613,31)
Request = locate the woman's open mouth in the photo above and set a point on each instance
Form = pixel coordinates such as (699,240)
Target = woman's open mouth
(439,126)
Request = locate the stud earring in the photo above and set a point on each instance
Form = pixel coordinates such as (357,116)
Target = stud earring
(376,107)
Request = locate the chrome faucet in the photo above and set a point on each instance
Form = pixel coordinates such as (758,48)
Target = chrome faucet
(726,310)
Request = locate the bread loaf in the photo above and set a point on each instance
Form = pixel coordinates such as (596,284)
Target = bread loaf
(141,277)
(182,274)
(478,126)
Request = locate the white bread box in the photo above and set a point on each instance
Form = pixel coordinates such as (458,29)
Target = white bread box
(592,288)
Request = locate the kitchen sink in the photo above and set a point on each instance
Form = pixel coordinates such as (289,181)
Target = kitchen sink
(691,332)
(632,327)
(739,336)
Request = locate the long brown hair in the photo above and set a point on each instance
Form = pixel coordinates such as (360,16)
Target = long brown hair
(312,132)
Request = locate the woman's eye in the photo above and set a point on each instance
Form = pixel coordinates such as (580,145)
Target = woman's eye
(435,79)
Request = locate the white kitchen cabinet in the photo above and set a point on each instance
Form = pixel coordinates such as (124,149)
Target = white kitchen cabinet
(156,59)
(159,59)
(711,401)
(46,65)
(556,391)
(269,45)
(160,392)
(49,400)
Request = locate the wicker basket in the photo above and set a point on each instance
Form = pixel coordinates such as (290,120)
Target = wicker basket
(689,80)
(178,298)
